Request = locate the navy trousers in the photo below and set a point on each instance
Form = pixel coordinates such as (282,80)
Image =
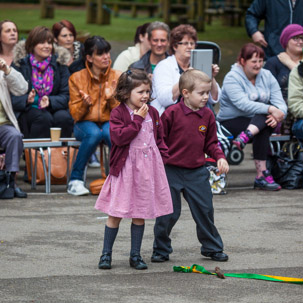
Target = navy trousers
(194,184)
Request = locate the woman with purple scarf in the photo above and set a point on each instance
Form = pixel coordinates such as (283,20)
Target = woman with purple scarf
(45,104)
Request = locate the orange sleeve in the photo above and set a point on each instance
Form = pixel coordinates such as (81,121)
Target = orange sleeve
(78,109)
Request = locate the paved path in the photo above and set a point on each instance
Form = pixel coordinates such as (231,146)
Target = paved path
(50,246)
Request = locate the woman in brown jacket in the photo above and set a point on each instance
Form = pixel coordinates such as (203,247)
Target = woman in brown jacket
(91,101)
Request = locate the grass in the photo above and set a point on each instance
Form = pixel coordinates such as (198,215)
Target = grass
(122,29)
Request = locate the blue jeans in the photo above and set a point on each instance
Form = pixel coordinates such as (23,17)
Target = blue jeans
(297,129)
(90,134)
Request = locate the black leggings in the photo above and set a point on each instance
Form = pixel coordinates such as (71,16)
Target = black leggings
(260,141)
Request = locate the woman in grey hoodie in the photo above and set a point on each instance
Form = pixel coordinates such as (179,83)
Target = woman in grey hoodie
(251,105)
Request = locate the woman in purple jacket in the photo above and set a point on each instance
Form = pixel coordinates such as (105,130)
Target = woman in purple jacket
(137,186)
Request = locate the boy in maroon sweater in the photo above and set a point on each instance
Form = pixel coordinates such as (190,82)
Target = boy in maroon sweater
(190,133)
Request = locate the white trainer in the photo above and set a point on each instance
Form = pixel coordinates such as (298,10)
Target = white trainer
(77,188)
(93,161)
(94,164)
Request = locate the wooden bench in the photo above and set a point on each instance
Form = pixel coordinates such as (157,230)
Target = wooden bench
(231,11)
(133,6)
(213,12)
(99,11)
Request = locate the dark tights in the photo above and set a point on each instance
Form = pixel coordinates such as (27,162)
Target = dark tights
(260,141)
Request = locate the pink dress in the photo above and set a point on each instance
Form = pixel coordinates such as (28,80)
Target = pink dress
(141,190)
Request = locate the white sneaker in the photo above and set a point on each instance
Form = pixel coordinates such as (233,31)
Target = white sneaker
(93,161)
(94,164)
(77,188)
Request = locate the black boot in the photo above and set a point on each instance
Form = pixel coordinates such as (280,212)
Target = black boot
(8,179)
(18,192)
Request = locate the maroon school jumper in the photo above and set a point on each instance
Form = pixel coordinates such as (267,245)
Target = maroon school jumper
(190,135)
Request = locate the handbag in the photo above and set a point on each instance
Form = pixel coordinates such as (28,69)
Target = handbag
(287,167)
(96,185)
(58,164)
(287,172)
(293,150)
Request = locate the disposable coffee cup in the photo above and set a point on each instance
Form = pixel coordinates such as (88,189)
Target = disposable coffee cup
(55,133)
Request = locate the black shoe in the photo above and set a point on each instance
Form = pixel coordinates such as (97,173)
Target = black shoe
(137,262)
(216,256)
(157,258)
(19,193)
(105,261)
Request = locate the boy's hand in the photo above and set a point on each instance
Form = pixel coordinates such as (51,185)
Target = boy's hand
(142,111)
(223,166)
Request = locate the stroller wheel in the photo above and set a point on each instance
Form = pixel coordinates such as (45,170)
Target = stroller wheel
(235,156)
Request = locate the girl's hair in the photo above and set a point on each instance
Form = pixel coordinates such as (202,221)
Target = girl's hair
(39,34)
(96,43)
(248,50)
(178,33)
(141,30)
(57,28)
(129,80)
(190,77)
(1,28)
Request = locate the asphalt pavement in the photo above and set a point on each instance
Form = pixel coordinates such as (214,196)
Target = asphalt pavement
(50,247)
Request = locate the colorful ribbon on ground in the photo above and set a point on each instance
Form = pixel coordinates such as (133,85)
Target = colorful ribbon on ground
(201,270)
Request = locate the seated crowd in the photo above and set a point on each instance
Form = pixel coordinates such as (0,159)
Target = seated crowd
(53,80)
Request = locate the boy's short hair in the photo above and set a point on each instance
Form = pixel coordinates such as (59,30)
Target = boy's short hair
(189,78)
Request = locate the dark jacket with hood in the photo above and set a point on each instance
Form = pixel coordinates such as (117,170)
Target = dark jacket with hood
(144,63)
(277,15)
(59,97)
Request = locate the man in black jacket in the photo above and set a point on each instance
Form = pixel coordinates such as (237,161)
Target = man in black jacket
(276,14)
(158,37)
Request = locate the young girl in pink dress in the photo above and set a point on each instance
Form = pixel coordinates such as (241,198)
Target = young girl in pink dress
(136,187)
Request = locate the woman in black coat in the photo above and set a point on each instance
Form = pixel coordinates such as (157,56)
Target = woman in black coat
(45,104)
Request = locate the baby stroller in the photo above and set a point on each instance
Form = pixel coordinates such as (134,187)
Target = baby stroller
(233,155)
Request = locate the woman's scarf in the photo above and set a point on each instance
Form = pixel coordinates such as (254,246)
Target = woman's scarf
(42,76)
